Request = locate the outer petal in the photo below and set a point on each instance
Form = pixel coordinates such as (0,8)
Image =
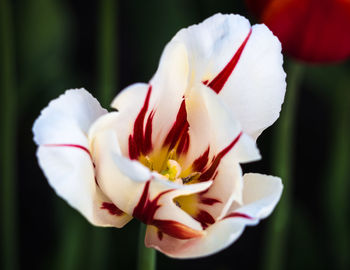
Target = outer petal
(63,154)
(67,119)
(254,88)
(218,236)
(261,194)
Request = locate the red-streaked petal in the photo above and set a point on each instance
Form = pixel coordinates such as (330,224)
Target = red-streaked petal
(243,63)
(176,229)
(217,237)
(70,145)
(225,231)
(210,171)
(178,134)
(219,81)
(130,104)
(112,209)
(65,158)
(237,215)
(137,140)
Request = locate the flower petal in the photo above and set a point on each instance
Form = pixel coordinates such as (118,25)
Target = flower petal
(213,127)
(261,194)
(67,119)
(65,158)
(255,92)
(213,124)
(217,237)
(128,103)
(254,85)
(167,89)
(226,188)
(169,84)
(70,172)
(121,179)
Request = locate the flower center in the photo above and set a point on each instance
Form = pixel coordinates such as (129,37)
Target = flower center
(170,169)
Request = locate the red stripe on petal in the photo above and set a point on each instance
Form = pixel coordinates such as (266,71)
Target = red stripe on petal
(146,208)
(200,163)
(210,172)
(176,229)
(70,145)
(237,214)
(138,138)
(183,144)
(112,209)
(160,235)
(179,131)
(204,218)
(209,201)
(133,151)
(147,146)
(219,81)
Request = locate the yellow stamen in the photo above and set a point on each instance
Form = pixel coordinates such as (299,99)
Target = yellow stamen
(172,171)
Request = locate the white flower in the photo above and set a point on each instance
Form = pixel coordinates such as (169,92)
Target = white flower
(171,155)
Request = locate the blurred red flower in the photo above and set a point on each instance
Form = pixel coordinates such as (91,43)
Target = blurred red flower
(315,31)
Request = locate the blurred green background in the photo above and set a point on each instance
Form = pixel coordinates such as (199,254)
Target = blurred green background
(48,46)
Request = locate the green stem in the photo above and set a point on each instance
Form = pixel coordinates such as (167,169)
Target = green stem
(337,183)
(283,155)
(8,116)
(146,256)
(107,51)
(71,253)
(107,78)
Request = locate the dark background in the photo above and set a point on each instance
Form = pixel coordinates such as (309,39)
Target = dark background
(60,44)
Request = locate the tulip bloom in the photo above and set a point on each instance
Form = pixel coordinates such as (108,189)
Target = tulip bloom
(310,30)
(170,156)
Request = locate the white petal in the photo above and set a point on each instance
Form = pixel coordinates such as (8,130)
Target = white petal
(255,89)
(260,196)
(217,237)
(167,89)
(226,188)
(169,84)
(64,155)
(131,97)
(70,173)
(261,193)
(128,103)
(213,124)
(212,43)
(67,119)
(121,179)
